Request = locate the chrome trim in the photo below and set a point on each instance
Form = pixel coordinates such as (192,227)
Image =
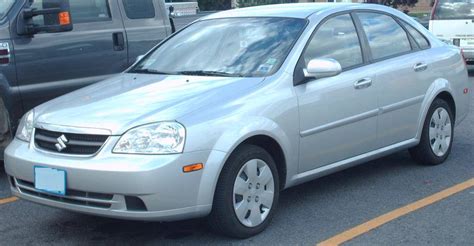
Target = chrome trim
(73,129)
(36,148)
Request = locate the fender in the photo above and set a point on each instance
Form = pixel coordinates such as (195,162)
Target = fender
(437,87)
(256,126)
(229,140)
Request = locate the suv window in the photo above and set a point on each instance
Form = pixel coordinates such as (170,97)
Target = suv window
(337,39)
(139,9)
(454,10)
(386,37)
(82,11)
(419,38)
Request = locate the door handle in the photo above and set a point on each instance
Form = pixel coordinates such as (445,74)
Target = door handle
(119,41)
(363,83)
(420,67)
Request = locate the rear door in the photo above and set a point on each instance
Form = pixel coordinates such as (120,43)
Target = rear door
(146,24)
(401,75)
(52,64)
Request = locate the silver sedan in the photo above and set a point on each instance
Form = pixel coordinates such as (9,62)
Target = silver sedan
(218,119)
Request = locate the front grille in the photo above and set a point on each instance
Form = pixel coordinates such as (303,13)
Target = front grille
(90,199)
(77,144)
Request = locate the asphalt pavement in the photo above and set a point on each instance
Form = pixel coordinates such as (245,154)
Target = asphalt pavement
(307,214)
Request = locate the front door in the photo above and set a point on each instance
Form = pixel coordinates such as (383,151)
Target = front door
(52,64)
(338,115)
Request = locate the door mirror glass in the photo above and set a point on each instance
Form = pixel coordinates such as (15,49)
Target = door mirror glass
(54,16)
(322,68)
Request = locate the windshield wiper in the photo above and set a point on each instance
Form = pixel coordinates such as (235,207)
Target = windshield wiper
(148,71)
(209,73)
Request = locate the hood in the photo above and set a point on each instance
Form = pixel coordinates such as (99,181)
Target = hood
(128,100)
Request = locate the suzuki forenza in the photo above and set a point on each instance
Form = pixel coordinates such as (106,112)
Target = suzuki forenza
(216,120)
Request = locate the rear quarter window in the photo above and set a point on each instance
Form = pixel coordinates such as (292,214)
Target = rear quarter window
(420,40)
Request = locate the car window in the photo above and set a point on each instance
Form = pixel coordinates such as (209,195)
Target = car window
(232,47)
(386,37)
(82,11)
(5,6)
(337,39)
(139,9)
(419,38)
(454,10)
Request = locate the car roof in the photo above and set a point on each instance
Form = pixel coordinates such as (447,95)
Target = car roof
(291,10)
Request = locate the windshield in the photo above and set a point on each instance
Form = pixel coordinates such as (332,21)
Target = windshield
(5,5)
(233,47)
(454,9)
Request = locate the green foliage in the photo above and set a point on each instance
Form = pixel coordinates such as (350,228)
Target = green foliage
(396,3)
(249,3)
(211,5)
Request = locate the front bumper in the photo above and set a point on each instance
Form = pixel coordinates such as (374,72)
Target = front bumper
(105,184)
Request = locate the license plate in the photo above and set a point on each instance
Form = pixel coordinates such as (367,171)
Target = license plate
(467,42)
(50,180)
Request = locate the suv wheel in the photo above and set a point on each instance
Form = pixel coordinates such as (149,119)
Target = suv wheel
(246,194)
(437,136)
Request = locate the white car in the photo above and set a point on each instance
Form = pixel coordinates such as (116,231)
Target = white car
(453,20)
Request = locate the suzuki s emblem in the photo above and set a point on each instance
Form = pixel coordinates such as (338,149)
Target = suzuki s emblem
(61,145)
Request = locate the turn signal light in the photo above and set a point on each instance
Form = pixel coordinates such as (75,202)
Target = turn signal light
(193,167)
(64,18)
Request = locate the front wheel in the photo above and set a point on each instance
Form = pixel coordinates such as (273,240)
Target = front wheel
(437,136)
(246,194)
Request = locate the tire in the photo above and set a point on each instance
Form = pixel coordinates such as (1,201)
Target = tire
(223,218)
(428,151)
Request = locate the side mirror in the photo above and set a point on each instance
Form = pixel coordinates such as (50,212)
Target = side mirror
(322,68)
(56,17)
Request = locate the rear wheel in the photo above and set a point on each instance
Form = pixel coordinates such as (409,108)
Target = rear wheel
(247,193)
(437,136)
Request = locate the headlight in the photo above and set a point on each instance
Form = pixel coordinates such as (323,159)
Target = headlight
(157,138)
(26,127)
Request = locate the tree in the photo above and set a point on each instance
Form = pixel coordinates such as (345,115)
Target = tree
(396,3)
(212,5)
(249,3)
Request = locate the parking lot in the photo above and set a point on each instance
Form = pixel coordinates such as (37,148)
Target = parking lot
(325,209)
